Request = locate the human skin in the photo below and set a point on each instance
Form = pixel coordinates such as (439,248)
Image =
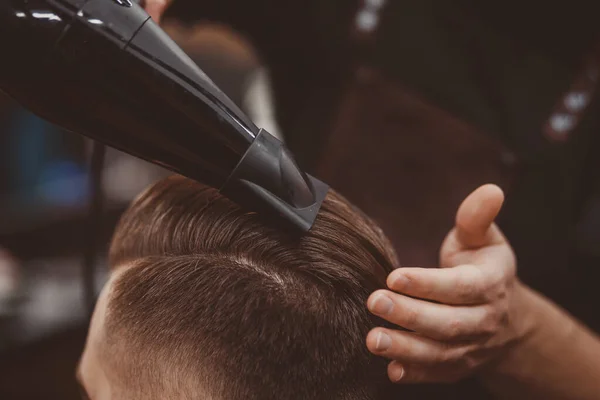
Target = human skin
(472,315)
(461,315)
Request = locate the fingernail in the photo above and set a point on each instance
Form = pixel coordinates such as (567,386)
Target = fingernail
(399,282)
(396,372)
(384,341)
(382,305)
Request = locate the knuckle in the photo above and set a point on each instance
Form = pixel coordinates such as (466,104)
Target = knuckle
(502,315)
(470,363)
(465,286)
(410,317)
(489,329)
(465,361)
(503,307)
(469,283)
(446,355)
(455,329)
(495,290)
(491,323)
(504,320)
(442,358)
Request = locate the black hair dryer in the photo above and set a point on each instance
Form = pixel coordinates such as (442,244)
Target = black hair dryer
(104,69)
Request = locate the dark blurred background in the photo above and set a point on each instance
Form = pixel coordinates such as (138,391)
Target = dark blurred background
(45,199)
(501,69)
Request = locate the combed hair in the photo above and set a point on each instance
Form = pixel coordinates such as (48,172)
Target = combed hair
(213,303)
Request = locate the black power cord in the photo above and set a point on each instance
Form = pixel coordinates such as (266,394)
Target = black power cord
(94,225)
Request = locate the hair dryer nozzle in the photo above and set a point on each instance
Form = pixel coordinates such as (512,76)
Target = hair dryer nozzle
(269,177)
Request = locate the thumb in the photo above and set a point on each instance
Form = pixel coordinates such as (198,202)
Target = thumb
(475,217)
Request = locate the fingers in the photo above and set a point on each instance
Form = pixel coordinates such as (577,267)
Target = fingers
(436,321)
(409,348)
(465,284)
(451,313)
(476,215)
(418,359)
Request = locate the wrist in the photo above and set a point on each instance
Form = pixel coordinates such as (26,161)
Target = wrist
(525,313)
(537,323)
(525,327)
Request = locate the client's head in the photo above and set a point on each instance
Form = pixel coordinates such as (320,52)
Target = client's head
(206,301)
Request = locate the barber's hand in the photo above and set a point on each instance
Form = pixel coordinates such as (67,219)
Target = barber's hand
(156,8)
(459,316)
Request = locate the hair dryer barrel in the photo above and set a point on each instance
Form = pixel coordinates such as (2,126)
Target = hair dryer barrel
(104,69)
(74,66)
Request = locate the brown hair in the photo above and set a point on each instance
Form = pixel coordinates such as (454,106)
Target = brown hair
(216,304)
